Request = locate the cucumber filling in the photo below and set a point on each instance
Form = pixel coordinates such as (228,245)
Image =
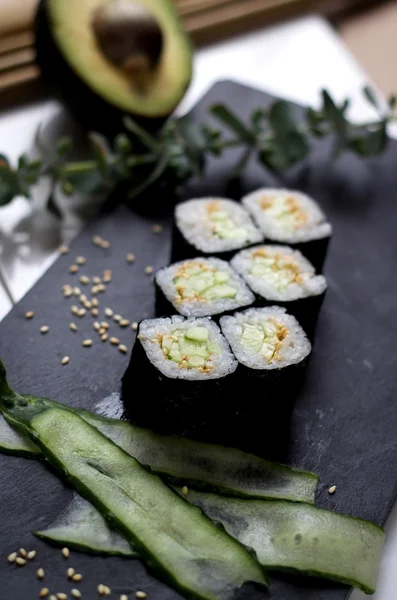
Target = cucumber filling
(196,281)
(190,348)
(280,270)
(222,225)
(286,210)
(264,338)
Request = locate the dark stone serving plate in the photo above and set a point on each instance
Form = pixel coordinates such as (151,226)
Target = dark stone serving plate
(345,419)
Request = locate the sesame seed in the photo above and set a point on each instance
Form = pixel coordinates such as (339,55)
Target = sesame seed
(94,312)
(123,349)
(68,293)
(82,312)
(117,318)
(140,336)
(157,228)
(94,290)
(96,326)
(40,573)
(123,597)
(149,270)
(23,552)
(96,280)
(134,325)
(75,593)
(65,360)
(77,577)
(64,249)
(87,305)
(84,280)
(65,552)
(32,554)
(44,592)
(52,597)
(105,244)
(73,327)
(20,561)
(29,314)
(11,557)
(124,323)
(76,291)
(104,337)
(108,312)
(96,240)
(83,298)
(102,331)
(185,490)
(81,260)
(74,309)
(106,590)
(44,329)
(73,269)
(61,596)
(66,286)
(101,287)
(95,302)
(115,341)
(141,594)
(332,489)
(130,258)
(86,344)
(70,572)
(105,324)
(100,589)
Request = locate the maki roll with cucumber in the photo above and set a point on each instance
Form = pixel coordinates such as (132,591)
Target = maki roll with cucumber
(272,349)
(200,287)
(212,226)
(184,364)
(279,274)
(293,218)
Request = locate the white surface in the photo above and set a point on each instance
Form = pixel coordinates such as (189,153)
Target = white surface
(294,60)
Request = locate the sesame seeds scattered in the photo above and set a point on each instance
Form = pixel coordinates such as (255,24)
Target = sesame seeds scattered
(115,341)
(85,344)
(74,310)
(106,590)
(124,323)
(44,329)
(40,574)
(76,291)
(105,325)
(134,325)
(108,312)
(65,360)
(185,490)
(98,241)
(70,572)
(44,592)
(123,349)
(82,312)
(75,593)
(61,596)
(32,554)
(96,280)
(84,279)
(141,594)
(117,318)
(149,270)
(73,269)
(95,302)
(101,589)
(104,337)
(94,312)
(23,552)
(73,327)
(81,260)
(157,228)
(12,557)
(21,562)
(123,597)
(29,314)
(332,489)
(64,249)
(52,597)
(107,276)
(77,577)
(96,326)
(130,258)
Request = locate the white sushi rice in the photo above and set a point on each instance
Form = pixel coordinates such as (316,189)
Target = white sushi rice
(309,283)
(223,363)
(202,307)
(294,347)
(192,220)
(313,226)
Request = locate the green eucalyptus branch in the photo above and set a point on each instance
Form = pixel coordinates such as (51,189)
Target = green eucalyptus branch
(179,151)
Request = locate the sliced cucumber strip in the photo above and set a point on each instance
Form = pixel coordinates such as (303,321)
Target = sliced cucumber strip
(81,527)
(177,540)
(288,536)
(16,443)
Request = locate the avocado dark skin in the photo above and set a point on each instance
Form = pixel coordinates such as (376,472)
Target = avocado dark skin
(87,107)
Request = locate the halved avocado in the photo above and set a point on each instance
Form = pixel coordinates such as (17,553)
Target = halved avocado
(108,58)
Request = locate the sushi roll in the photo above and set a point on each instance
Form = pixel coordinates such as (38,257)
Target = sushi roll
(293,218)
(184,364)
(212,226)
(281,275)
(200,287)
(272,350)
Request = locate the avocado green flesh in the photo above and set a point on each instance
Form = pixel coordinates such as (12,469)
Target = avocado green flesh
(190,348)
(224,227)
(301,538)
(197,281)
(170,535)
(277,272)
(285,211)
(263,338)
(82,527)
(161,89)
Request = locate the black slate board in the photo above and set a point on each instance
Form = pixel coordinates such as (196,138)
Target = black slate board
(345,420)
